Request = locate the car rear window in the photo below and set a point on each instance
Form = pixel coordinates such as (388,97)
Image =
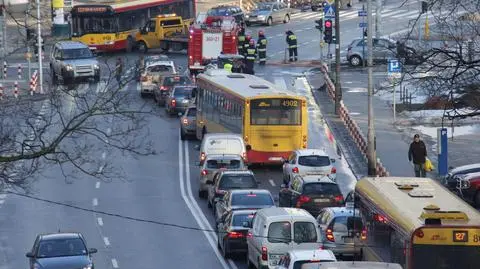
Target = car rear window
(314,160)
(246,199)
(192,112)
(347,223)
(228,164)
(280,232)
(304,232)
(224,146)
(180,80)
(321,188)
(182,92)
(237,182)
(159,68)
(239,219)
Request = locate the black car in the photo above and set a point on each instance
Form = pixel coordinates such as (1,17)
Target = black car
(61,250)
(224,10)
(231,233)
(166,85)
(180,98)
(312,193)
(243,199)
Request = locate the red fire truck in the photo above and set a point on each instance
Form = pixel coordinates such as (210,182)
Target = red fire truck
(208,38)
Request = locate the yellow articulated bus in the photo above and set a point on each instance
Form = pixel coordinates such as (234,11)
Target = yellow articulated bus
(273,122)
(418,223)
(112,25)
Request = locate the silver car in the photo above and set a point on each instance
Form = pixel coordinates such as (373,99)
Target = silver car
(344,231)
(188,123)
(267,13)
(71,61)
(179,100)
(383,49)
(212,164)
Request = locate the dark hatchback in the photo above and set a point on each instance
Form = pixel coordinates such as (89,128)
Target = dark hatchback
(243,199)
(61,250)
(231,234)
(166,85)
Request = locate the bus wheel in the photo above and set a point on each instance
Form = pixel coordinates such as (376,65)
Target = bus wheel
(129,44)
(142,47)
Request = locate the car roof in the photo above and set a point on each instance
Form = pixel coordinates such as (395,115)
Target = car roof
(71,45)
(224,157)
(314,254)
(222,135)
(317,179)
(285,212)
(250,191)
(343,211)
(54,236)
(160,63)
(472,175)
(155,57)
(243,211)
(184,86)
(236,172)
(304,152)
(465,167)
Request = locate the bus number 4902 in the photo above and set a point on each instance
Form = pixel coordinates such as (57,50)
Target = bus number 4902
(476,238)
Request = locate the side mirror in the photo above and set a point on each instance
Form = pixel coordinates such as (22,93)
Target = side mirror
(333,160)
(29,255)
(92,250)
(197,147)
(450,167)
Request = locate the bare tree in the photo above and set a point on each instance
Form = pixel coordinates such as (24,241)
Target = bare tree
(69,128)
(447,61)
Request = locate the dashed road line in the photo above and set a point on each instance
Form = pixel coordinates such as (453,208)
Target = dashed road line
(104,155)
(100,221)
(272,182)
(109,131)
(114,263)
(106,241)
(97,185)
(95,202)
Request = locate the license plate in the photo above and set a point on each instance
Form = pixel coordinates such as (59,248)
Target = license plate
(321,200)
(275,158)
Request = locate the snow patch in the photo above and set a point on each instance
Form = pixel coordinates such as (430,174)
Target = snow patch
(455,131)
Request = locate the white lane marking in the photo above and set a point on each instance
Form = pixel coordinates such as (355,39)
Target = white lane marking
(109,131)
(196,214)
(271,182)
(100,169)
(104,155)
(97,185)
(106,241)
(114,263)
(100,221)
(95,202)
(232,264)
(280,82)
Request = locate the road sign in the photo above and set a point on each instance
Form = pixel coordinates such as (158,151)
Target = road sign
(362,13)
(331,2)
(329,12)
(394,68)
(363,25)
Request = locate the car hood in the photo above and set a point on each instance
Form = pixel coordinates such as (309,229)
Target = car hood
(64,262)
(259,13)
(81,61)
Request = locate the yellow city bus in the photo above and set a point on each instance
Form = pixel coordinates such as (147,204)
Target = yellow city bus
(418,223)
(111,25)
(273,122)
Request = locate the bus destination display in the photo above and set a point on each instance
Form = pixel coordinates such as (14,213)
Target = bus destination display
(275,103)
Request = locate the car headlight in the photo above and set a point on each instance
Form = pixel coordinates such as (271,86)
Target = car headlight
(247,16)
(88,267)
(69,67)
(96,66)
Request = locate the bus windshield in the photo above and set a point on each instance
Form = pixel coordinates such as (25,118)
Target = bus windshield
(83,25)
(445,256)
(275,112)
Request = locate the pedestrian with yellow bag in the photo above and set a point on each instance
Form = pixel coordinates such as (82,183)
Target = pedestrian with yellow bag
(418,154)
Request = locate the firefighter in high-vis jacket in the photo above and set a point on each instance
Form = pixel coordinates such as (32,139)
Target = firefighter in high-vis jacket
(262,48)
(250,58)
(246,45)
(292,46)
(241,41)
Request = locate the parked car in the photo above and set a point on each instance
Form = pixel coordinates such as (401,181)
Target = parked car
(451,179)
(228,10)
(231,234)
(353,265)
(312,193)
(71,61)
(148,60)
(179,100)
(294,259)
(383,49)
(470,188)
(268,13)
(153,74)
(308,161)
(275,231)
(166,84)
(60,250)
(225,180)
(243,199)
(344,231)
(213,164)
(222,143)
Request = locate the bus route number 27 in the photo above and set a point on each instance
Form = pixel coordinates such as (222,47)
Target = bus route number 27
(290,103)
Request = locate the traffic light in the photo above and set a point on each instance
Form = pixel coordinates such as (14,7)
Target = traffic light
(424,7)
(319,25)
(328,31)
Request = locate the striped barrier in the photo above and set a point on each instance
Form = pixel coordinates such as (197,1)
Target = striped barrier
(33,82)
(352,127)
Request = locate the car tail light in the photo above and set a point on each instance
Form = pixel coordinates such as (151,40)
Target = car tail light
(338,198)
(235,235)
(185,121)
(334,170)
(329,235)
(302,200)
(364,234)
(264,253)
(162,88)
(295,170)
(173,102)
(204,172)
(202,156)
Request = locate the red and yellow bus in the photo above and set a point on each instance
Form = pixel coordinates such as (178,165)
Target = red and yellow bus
(418,223)
(273,122)
(111,26)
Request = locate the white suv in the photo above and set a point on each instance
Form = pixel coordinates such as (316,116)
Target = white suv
(308,162)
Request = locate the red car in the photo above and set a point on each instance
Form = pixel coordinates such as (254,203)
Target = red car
(471,188)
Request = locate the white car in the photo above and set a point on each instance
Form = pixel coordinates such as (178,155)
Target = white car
(308,161)
(153,73)
(296,258)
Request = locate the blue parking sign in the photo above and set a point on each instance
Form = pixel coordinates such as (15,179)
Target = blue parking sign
(394,66)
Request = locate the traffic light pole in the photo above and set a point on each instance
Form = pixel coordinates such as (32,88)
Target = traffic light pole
(371,151)
(338,88)
(40,51)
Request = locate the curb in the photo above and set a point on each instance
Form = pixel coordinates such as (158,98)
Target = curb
(311,63)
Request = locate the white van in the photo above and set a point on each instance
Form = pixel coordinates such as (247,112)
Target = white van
(352,265)
(222,143)
(275,231)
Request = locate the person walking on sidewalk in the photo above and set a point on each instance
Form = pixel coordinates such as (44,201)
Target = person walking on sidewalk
(418,154)
(292,45)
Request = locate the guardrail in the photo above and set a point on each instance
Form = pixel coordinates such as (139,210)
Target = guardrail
(352,127)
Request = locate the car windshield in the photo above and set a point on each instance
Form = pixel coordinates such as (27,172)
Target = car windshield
(192,112)
(252,199)
(228,164)
(61,247)
(239,219)
(314,160)
(304,232)
(346,223)
(71,54)
(159,68)
(182,92)
(237,182)
(264,7)
(178,80)
(321,188)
